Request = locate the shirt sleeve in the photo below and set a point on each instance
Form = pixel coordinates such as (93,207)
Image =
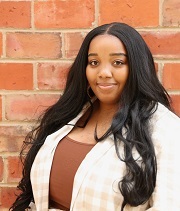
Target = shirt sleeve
(166,138)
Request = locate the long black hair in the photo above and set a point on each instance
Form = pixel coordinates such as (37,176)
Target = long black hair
(138,102)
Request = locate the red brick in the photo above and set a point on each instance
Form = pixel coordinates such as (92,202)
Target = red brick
(15,76)
(14,169)
(176,103)
(73,43)
(136,13)
(52,76)
(0,107)
(27,107)
(171,76)
(163,44)
(170,14)
(7,196)
(64,14)
(1,169)
(1,44)
(34,45)
(15,14)
(12,137)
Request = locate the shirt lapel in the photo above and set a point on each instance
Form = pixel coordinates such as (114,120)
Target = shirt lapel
(91,158)
(41,167)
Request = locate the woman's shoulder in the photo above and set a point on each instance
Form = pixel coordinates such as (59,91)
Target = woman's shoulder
(163,114)
(165,125)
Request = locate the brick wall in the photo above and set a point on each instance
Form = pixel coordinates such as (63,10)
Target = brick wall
(38,41)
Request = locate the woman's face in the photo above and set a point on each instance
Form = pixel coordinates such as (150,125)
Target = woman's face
(107,69)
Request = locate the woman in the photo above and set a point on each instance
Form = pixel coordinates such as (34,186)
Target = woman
(106,140)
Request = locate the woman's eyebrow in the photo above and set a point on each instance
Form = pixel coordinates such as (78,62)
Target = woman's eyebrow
(92,54)
(118,54)
(111,54)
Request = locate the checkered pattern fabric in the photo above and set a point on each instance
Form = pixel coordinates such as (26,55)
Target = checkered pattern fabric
(96,180)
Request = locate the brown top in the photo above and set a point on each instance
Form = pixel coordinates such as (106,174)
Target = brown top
(67,158)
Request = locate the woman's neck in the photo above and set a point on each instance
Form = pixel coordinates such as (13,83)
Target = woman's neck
(105,111)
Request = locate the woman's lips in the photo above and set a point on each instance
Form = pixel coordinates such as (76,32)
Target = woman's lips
(106,86)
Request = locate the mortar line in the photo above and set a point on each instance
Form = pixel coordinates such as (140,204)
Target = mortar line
(32,16)
(96,15)
(3,98)
(35,83)
(161,13)
(4,44)
(66,30)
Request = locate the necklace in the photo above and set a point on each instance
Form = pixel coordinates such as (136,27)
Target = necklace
(108,132)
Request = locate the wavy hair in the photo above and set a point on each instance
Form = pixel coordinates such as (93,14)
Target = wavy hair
(138,101)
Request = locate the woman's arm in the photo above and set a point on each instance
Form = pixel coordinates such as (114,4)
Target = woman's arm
(166,139)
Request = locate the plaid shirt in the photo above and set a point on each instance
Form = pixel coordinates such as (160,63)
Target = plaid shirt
(96,180)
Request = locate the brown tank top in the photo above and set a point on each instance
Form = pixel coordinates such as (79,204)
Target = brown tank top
(67,158)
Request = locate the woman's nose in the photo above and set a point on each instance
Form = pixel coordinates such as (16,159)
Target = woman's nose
(105,72)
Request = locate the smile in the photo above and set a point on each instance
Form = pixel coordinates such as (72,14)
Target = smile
(106,86)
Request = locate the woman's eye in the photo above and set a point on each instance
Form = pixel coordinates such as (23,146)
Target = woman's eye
(93,63)
(118,62)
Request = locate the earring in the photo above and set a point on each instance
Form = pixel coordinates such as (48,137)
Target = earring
(90,92)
